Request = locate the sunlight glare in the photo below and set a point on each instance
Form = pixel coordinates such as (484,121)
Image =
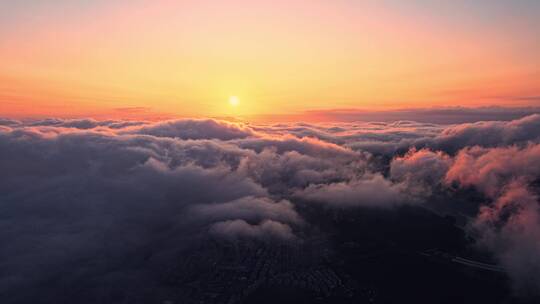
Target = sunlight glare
(234,101)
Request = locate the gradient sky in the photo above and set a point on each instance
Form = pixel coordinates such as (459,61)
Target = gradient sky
(185,58)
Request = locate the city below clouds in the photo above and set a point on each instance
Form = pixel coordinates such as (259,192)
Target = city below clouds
(262,152)
(87,203)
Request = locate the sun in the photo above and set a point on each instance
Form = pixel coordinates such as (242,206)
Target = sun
(234,101)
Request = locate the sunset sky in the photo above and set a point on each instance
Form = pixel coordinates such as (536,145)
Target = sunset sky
(269,151)
(189,58)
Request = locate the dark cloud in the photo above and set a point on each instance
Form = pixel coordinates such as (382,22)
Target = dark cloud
(85,123)
(508,222)
(79,198)
(252,209)
(451,115)
(491,169)
(196,129)
(376,137)
(84,203)
(487,134)
(397,137)
(510,227)
(369,191)
(424,166)
(75,204)
(9,122)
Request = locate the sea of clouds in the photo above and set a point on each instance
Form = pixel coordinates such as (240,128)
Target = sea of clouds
(108,201)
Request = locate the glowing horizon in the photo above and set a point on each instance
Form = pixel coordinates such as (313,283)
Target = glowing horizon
(112,58)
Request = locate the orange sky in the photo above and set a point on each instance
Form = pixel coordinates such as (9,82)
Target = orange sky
(186,58)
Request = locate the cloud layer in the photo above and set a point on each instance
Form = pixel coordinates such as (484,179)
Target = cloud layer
(78,196)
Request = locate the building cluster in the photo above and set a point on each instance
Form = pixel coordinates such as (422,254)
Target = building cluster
(229,273)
